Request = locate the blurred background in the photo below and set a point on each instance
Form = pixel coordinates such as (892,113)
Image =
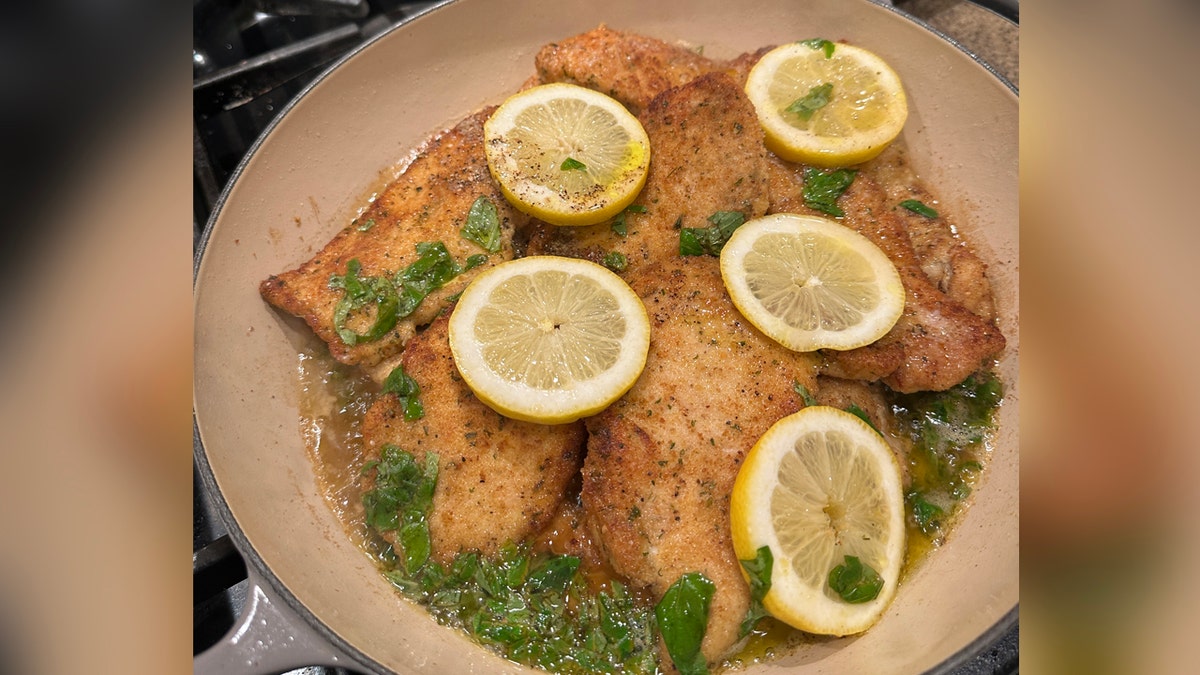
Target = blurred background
(95,111)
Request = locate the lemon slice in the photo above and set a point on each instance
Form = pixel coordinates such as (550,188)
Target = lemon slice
(549,340)
(821,485)
(810,283)
(826,104)
(566,154)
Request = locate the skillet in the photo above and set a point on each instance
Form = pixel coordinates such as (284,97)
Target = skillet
(315,598)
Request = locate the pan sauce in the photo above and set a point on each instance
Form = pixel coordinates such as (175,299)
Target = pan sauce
(334,398)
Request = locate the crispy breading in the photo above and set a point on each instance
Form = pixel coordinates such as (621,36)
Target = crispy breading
(631,68)
(708,156)
(427,203)
(937,342)
(661,461)
(499,480)
(949,262)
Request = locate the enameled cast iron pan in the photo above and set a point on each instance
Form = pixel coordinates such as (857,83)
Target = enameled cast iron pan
(315,598)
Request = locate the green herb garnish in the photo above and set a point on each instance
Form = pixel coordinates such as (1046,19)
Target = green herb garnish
(926,515)
(483,225)
(822,189)
(407,390)
(710,240)
(682,619)
(365,225)
(361,292)
(947,430)
(854,581)
(861,414)
(759,571)
(805,394)
(401,497)
(822,44)
(814,100)
(572,164)
(535,609)
(619,225)
(919,207)
(433,269)
(616,261)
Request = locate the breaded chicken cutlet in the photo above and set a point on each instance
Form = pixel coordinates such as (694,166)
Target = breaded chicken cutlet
(499,480)
(661,461)
(428,203)
(708,156)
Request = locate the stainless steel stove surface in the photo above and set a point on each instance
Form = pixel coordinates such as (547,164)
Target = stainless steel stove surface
(251,57)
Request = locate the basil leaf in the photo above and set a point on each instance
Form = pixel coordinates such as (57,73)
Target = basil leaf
(710,240)
(572,164)
(822,44)
(814,100)
(401,487)
(693,241)
(407,390)
(358,294)
(432,269)
(483,225)
(619,225)
(553,574)
(919,207)
(805,394)
(682,618)
(861,414)
(926,514)
(759,571)
(616,261)
(854,581)
(414,537)
(822,189)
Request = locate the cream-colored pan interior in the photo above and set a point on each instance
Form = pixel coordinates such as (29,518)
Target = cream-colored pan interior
(312,170)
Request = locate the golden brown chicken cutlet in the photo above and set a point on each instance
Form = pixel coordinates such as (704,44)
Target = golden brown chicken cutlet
(499,480)
(428,203)
(629,67)
(949,262)
(708,156)
(662,460)
(937,342)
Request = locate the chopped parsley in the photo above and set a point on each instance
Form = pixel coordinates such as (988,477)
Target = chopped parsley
(919,207)
(710,240)
(814,100)
(805,394)
(483,225)
(572,164)
(822,189)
